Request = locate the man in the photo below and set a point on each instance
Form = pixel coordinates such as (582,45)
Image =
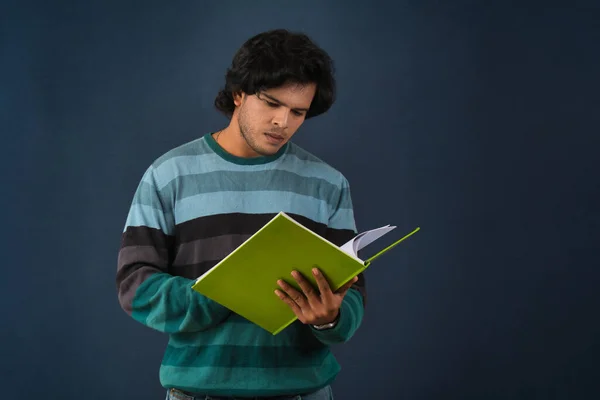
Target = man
(198,202)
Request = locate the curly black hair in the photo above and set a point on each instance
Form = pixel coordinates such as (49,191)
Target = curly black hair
(273,58)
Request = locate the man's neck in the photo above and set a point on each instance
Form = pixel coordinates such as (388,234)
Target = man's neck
(230,139)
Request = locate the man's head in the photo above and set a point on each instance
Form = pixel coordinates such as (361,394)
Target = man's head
(276,81)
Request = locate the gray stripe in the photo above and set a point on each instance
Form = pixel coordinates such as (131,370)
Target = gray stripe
(210,249)
(129,285)
(135,264)
(143,255)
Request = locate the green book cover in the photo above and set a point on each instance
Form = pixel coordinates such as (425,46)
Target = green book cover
(246,279)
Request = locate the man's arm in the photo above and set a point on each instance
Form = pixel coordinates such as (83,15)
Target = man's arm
(146,291)
(342,228)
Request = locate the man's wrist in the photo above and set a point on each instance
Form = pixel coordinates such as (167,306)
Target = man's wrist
(328,325)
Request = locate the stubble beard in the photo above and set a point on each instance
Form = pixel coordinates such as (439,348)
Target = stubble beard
(249,136)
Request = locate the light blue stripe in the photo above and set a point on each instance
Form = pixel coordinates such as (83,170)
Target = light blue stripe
(237,181)
(191,165)
(147,210)
(192,148)
(343,219)
(194,162)
(256,202)
(144,215)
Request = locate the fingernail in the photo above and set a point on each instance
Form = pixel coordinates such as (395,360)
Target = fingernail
(315,271)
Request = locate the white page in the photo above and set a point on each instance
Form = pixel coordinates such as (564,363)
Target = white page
(362,240)
(371,236)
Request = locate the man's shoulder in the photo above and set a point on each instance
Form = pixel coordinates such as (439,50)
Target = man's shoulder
(317,166)
(178,160)
(182,153)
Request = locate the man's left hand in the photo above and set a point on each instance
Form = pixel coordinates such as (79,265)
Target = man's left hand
(311,306)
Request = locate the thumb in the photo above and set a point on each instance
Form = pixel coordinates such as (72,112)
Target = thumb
(342,291)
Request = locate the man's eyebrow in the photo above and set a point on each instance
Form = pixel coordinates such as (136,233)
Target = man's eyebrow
(281,103)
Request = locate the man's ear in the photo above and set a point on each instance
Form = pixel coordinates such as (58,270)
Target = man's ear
(237,98)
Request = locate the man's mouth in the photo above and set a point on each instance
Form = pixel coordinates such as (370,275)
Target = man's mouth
(274,137)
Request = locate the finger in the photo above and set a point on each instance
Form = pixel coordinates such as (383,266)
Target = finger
(288,300)
(309,291)
(324,288)
(293,294)
(342,291)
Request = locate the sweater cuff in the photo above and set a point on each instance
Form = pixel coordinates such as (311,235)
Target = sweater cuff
(350,317)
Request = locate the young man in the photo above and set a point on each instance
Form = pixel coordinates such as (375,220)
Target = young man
(198,202)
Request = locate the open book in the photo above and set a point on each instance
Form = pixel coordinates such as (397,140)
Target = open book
(246,279)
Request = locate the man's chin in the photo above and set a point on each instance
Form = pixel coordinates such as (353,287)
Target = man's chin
(269,149)
(267,152)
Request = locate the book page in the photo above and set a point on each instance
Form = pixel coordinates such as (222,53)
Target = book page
(363,239)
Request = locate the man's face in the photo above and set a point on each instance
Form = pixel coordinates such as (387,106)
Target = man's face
(269,119)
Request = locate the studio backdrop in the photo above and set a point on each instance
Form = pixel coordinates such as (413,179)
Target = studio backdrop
(476,122)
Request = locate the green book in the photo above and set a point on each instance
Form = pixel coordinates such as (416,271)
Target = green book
(246,279)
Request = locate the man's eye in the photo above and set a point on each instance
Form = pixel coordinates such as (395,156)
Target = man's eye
(298,113)
(271,104)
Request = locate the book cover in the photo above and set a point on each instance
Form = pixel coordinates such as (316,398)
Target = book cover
(246,279)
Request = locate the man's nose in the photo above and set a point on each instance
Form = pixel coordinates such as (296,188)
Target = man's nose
(280,119)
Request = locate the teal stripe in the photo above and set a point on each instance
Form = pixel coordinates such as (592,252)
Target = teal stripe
(205,185)
(145,215)
(147,195)
(343,219)
(152,307)
(251,203)
(276,180)
(162,302)
(192,148)
(214,193)
(354,300)
(233,333)
(353,304)
(147,209)
(144,311)
(351,316)
(198,164)
(343,216)
(303,154)
(240,332)
(345,202)
(228,381)
(148,178)
(243,356)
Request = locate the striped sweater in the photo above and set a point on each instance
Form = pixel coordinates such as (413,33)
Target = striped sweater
(193,206)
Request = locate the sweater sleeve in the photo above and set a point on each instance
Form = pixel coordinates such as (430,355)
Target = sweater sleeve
(342,228)
(146,290)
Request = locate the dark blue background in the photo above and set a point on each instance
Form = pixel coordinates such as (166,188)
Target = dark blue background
(477,122)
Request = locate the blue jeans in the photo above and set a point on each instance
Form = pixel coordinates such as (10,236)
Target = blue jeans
(321,394)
